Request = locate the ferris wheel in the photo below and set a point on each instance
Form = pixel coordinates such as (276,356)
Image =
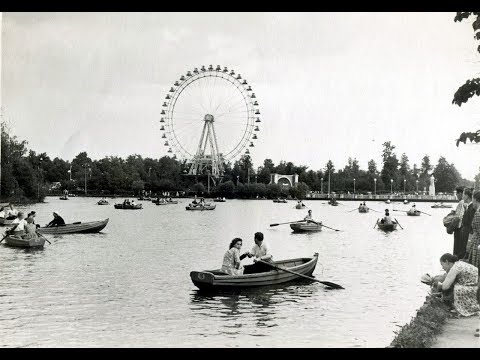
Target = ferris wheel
(209,117)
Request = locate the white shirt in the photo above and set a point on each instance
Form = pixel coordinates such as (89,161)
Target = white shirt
(21,224)
(12,212)
(2,213)
(460,211)
(259,251)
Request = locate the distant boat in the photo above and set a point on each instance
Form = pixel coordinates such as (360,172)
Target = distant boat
(219,200)
(64,197)
(387,227)
(305,227)
(103,202)
(413,213)
(218,280)
(128,206)
(441,206)
(283,201)
(388,201)
(200,207)
(300,206)
(363,209)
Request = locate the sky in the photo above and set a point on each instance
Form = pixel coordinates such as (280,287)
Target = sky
(329,85)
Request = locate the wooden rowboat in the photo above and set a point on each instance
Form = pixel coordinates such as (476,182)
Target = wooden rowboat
(441,206)
(219,200)
(283,201)
(363,210)
(200,207)
(75,228)
(416,213)
(387,227)
(17,241)
(64,198)
(300,206)
(216,279)
(306,227)
(128,207)
(103,202)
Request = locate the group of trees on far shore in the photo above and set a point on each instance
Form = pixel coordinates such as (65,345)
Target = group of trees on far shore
(30,175)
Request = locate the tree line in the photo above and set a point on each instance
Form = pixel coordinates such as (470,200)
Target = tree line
(27,175)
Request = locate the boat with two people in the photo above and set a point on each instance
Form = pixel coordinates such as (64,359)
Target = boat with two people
(280,200)
(441,206)
(128,205)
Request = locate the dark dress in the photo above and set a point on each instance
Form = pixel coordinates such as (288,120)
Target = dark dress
(461,244)
(58,221)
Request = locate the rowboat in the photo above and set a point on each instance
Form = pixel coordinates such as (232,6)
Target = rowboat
(17,241)
(333,203)
(405,201)
(306,227)
(128,207)
(387,202)
(441,206)
(63,198)
(387,227)
(201,207)
(145,198)
(102,202)
(219,200)
(75,228)
(363,210)
(217,280)
(4,221)
(413,213)
(161,203)
(283,201)
(300,206)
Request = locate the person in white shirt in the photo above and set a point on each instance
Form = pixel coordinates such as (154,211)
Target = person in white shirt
(259,251)
(309,218)
(11,213)
(2,212)
(19,224)
(387,219)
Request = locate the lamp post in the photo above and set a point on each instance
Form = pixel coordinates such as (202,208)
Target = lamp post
(39,175)
(404,182)
(321,185)
(354,188)
(238,177)
(375,186)
(328,182)
(391,186)
(85,166)
(416,181)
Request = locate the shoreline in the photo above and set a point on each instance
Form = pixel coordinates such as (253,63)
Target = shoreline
(434,326)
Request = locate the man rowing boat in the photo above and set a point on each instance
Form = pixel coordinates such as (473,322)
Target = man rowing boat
(57,220)
(309,218)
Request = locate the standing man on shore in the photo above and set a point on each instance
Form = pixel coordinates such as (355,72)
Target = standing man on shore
(459,212)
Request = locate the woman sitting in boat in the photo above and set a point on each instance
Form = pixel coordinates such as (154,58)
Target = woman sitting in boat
(231,260)
(387,219)
(309,218)
(12,213)
(57,220)
(413,209)
(30,229)
(463,277)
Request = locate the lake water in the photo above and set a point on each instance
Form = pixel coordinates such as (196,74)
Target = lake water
(129,286)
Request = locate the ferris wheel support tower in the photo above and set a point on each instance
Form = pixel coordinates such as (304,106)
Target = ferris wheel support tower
(202,162)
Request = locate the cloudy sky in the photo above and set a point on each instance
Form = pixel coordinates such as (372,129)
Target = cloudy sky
(329,85)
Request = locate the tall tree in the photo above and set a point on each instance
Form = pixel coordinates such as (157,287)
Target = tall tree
(471,87)
(390,164)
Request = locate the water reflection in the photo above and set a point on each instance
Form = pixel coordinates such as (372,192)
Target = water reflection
(256,306)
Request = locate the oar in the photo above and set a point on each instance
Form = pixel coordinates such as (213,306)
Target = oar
(40,235)
(424,213)
(400,210)
(331,228)
(352,210)
(6,234)
(398,223)
(291,222)
(375,210)
(328,283)
(375,224)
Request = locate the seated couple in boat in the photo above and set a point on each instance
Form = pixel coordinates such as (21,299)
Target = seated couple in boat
(362,206)
(200,203)
(24,228)
(57,220)
(231,260)
(387,219)
(309,218)
(8,214)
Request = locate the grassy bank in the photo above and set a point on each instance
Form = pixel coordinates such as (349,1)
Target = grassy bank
(422,329)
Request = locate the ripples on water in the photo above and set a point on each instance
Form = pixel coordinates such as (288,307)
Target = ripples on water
(129,286)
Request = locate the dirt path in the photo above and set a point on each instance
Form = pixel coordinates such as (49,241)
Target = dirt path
(459,333)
